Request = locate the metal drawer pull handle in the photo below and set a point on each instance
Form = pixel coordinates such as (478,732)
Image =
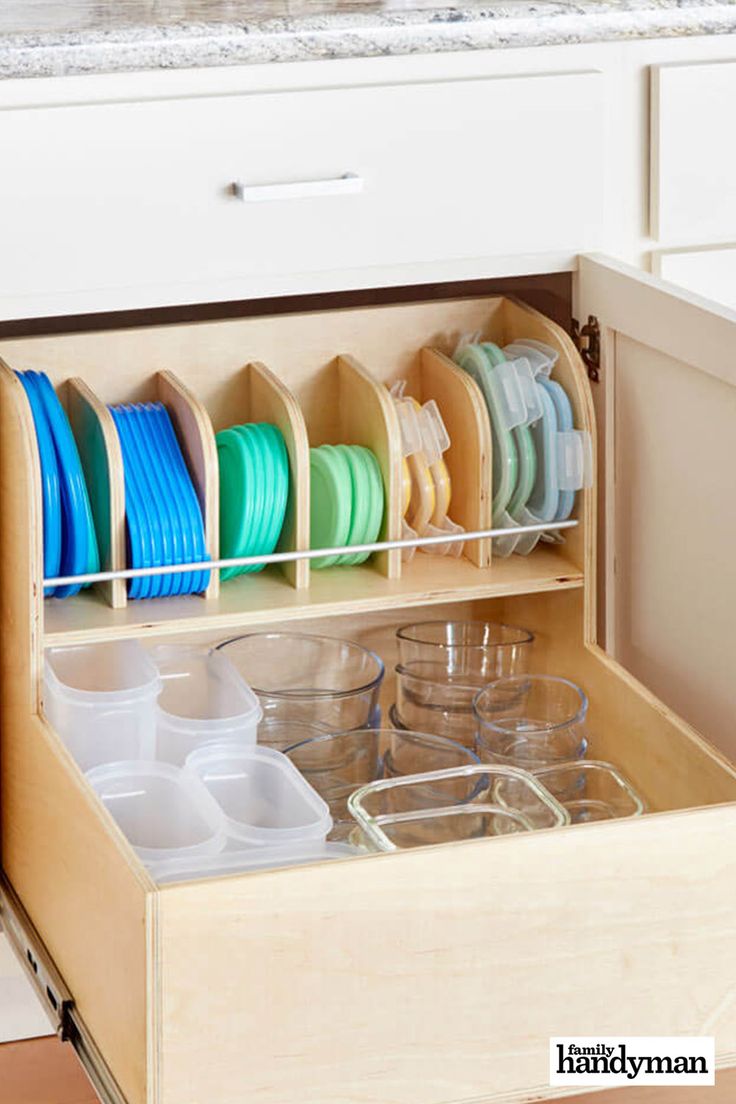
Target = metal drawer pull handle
(348,184)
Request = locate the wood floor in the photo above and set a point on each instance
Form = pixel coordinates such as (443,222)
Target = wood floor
(45,1071)
(42,1071)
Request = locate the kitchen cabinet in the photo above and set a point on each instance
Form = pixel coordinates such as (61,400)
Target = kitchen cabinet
(374,974)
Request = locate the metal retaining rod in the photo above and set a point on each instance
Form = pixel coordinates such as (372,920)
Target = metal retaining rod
(306,554)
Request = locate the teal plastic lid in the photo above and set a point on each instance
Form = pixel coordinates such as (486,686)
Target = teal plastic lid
(361,490)
(236,498)
(330,511)
(274,442)
(261,490)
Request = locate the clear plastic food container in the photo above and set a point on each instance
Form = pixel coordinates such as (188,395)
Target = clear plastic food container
(164,811)
(531,721)
(380,807)
(484,650)
(241,860)
(318,680)
(203,700)
(265,800)
(101,699)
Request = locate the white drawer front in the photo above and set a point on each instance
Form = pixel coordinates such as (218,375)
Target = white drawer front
(707,272)
(693,193)
(135,195)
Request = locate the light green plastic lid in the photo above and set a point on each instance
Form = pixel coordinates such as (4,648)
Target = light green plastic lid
(331,496)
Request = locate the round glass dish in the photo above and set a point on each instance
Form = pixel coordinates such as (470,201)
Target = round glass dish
(531,721)
(487,650)
(319,680)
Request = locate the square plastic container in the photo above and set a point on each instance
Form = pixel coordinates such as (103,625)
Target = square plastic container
(264,798)
(164,811)
(203,700)
(101,699)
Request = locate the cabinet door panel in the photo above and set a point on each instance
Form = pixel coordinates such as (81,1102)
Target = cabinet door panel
(693,170)
(670,377)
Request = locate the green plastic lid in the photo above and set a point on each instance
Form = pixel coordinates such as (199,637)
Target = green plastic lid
(375,500)
(331,496)
(361,493)
(236,498)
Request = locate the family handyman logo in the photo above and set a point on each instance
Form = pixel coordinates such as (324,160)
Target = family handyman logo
(647,1060)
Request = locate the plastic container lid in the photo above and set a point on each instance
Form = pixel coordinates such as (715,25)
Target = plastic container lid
(50,489)
(184,498)
(265,799)
(361,492)
(79,542)
(330,501)
(164,811)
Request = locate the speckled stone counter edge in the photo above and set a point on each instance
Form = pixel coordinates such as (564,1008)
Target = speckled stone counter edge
(201,45)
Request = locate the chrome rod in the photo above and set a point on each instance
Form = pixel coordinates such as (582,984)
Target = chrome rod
(305,554)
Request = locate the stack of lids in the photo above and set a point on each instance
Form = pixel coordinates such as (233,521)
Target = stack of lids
(254,492)
(346,501)
(163,516)
(69,538)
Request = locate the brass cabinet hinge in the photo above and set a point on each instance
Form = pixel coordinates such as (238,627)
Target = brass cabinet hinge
(588,343)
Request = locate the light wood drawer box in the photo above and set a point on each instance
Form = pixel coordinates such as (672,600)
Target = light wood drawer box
(693,162)
(447,170)
(423,977)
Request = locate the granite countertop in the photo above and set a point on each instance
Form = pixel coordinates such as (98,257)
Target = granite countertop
(40,38)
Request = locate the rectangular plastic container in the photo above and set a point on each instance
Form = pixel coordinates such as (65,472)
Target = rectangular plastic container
(101,698)
(265,800)
(164,811)
(203,700)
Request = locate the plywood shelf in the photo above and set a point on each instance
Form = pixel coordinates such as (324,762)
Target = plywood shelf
(268,597)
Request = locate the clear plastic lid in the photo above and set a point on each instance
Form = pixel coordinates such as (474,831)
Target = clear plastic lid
(541,357)
(574,468)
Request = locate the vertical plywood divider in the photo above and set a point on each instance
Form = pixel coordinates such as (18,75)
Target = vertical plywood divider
(269,400)
(197,440)
(102,461)
(468,459)
(21,578)
(367,417)
(522,321)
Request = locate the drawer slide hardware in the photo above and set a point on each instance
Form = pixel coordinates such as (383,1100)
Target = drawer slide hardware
(53,993)
(588,343)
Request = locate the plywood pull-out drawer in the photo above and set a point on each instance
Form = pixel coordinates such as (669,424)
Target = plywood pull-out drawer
(420,977)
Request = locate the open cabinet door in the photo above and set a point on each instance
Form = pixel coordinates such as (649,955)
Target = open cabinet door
(667,411)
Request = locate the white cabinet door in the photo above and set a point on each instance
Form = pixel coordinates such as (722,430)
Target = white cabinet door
(693,167)
(669,376)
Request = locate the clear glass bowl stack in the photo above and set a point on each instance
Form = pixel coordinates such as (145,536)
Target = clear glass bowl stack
(442,667)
